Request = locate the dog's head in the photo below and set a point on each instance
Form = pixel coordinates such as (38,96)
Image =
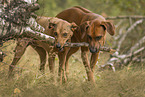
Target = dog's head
(60,29)
(95,33)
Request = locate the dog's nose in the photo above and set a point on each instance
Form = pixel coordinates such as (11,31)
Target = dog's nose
(58,45)
(93,50)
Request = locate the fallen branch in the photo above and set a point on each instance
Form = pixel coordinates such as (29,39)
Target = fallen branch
(133,56)
(123,59)
(125,17)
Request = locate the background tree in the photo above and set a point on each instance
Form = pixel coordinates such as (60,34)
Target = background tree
(110,7)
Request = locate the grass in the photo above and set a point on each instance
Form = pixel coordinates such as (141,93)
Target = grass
(28,80)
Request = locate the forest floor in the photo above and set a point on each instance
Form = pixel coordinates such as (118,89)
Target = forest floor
(30,82)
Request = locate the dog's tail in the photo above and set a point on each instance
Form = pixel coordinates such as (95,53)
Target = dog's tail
(83,9)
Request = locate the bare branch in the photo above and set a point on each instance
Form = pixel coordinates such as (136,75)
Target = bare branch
(125,34)
(120,33)
(140,42)
(125,17)
(136,52)
(119,23)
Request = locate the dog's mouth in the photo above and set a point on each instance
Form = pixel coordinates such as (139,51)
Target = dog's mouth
(60,49)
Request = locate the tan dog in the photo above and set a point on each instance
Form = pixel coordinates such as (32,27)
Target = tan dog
(58,28)
(92,29)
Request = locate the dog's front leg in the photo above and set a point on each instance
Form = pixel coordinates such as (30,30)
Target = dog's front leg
(51,60)
(93,61)
(84,55)
(71,51)
(62,60)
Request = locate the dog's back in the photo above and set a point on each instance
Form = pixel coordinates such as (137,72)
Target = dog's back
(89,14)
(73,14)
(78,15)
(83,9)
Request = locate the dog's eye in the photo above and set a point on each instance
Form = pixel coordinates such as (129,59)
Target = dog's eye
(89,37)
(87,27)
(49,27)
(67,40)
(55,33)
(98,37)
(65,34)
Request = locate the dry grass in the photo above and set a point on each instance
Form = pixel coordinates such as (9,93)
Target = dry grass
(29,82)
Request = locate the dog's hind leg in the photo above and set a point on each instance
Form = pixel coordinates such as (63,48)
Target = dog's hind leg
(19,51)
(42,54)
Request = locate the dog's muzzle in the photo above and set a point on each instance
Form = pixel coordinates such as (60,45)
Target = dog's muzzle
(58,46)
(93,50)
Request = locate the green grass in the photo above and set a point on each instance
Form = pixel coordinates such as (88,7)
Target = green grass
(127,82)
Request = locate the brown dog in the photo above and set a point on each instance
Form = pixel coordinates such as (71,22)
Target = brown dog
(58,28)
(92,29)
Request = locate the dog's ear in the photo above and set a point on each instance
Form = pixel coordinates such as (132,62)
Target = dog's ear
(51,25)
(109,27)
(84,27)
(74,26)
